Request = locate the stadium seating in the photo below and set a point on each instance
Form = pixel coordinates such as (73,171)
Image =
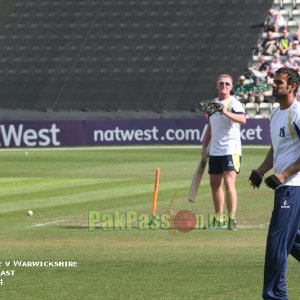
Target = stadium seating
(122,55)
(290,9)
(277,5)
(287,4)
(251,110)
(265,109)
(296,4)
(259,116)
(286,13)
(292,25)
(296,14)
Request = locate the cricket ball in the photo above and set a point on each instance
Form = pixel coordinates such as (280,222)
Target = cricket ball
(30,213)
(185,221)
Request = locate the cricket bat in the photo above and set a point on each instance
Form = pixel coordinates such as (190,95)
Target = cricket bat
(198,176)
(197,180)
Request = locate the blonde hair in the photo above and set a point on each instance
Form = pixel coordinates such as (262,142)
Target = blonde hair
(226,76)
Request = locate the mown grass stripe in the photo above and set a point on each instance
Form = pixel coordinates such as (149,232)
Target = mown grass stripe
(103,195)
(42,185)
(64,190)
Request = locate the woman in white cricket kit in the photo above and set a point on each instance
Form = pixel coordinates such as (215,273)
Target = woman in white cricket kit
(223,134)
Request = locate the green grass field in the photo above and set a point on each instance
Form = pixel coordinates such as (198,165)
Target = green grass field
(62,186)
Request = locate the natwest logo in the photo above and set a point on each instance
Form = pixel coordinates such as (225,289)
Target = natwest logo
(16,135)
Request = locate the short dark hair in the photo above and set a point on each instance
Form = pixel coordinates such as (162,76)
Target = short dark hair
(292,76)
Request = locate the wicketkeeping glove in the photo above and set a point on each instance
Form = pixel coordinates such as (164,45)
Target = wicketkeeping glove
(255,179)
(273,182)
(210,107)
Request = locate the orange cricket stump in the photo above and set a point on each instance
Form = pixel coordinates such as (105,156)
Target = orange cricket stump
(155,193)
